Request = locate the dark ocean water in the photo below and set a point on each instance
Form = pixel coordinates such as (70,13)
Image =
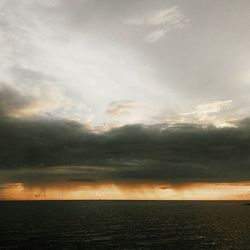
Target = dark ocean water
(124,225)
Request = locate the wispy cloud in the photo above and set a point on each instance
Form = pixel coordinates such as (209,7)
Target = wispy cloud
(161,21)
(213,112)
(120,108)
(203,110)
(155,35)
(219,113)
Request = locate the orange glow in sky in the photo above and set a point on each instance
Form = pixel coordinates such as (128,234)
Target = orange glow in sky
(215,191)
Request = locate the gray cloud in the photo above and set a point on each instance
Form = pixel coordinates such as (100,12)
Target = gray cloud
(28,75)
(37,151)
(12,101)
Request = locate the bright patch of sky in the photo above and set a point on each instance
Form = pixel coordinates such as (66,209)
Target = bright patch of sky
(107,63)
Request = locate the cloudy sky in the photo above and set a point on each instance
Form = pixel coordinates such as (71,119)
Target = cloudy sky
(124,99)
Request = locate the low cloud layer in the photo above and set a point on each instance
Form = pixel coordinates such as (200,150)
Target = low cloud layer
(40,150)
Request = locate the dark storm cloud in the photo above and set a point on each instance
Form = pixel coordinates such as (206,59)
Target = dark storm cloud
(42,150)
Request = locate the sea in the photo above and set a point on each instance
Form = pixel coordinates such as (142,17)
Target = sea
(32,225)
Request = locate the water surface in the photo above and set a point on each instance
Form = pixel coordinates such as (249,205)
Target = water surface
(124,225)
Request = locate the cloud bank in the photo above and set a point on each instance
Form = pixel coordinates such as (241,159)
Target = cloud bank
(38,150)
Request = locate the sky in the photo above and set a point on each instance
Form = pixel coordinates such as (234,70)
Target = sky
(124,99)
